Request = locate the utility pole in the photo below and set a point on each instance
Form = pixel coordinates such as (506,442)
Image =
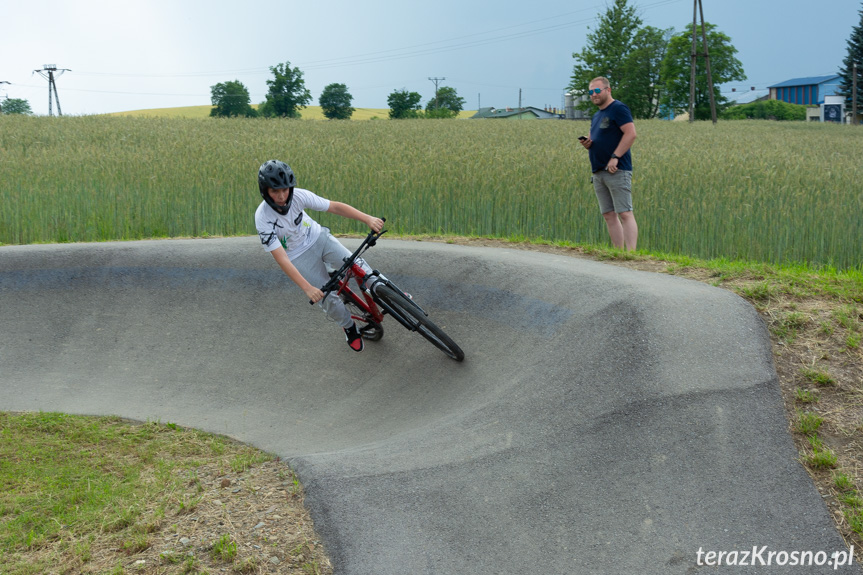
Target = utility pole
(50,69)
(7,97)
(436,80)
(697,7)
(692,55)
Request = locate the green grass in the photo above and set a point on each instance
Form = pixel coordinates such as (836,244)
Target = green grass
(225,549)
(778,193)
(66,480)
(821,457)
(852,503)
(818,377)
(806,395)
(808,422)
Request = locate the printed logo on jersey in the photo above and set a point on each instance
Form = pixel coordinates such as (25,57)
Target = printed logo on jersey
(267,238)
(299,219)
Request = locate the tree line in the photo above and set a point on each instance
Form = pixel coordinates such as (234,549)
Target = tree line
(287,95)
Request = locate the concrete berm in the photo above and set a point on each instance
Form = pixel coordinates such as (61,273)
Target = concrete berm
(604,421)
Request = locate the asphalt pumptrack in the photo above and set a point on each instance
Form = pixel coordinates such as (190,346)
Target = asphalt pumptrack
(604,420)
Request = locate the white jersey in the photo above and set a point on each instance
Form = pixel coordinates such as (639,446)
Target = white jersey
(296,231)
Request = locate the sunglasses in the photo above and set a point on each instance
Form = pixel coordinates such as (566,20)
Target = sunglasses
(595,91)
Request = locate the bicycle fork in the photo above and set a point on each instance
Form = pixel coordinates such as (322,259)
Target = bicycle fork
(382,280)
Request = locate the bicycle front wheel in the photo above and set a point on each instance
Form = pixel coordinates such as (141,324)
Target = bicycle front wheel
(418,321)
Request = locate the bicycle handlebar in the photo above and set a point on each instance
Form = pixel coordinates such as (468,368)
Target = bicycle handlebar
(370,240)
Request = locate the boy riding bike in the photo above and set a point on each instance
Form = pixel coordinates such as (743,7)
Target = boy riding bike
(300,245)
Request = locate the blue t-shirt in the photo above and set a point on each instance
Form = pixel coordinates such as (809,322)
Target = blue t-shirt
(606,135)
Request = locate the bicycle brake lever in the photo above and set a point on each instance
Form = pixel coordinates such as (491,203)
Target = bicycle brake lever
(375,239)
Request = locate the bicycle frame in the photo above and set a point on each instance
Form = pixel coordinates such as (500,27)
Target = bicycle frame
(377,296)
(367,301)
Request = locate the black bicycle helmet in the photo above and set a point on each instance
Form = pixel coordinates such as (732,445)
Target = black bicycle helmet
(277,175)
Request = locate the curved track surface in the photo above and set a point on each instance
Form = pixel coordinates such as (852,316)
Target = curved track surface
(603,421)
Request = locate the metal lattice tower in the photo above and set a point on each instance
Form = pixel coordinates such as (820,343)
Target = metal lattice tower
(7,95)
(47,72)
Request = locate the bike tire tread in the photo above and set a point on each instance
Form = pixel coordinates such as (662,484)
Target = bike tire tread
(423,325)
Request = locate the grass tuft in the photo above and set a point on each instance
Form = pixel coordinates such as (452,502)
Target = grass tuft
(821,457)
(808,422)
(818,377)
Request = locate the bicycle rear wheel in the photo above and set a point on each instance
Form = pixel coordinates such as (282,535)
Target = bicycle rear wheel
(418,321)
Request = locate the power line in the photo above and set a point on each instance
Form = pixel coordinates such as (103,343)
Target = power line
(497,35)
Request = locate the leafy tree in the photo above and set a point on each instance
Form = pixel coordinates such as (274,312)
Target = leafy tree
(288,93)
(606,50)
(437,114)
(447,104)
(766,110)
(336,101)
(404,104)
(676,69)
(628,55)
(15,106)
(231,99)
(641,69)
(855,54)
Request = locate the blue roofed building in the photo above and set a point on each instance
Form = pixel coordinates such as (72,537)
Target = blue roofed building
(812,91)
(809,91)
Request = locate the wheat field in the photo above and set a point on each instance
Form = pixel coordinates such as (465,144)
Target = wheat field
(752,190)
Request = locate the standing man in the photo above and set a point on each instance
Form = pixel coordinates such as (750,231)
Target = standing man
(612,133)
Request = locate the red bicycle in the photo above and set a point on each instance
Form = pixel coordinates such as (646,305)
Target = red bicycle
(369,305)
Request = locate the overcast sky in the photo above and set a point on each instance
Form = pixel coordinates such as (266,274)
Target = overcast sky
(124,55)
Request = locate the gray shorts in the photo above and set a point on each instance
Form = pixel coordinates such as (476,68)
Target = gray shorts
(613,191)
(327,252)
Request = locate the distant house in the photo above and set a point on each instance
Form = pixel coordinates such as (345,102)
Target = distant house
(807,91)
(528,113)
(746,96)
(811,91)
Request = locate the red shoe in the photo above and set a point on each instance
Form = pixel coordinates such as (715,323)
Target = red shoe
(355,340)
